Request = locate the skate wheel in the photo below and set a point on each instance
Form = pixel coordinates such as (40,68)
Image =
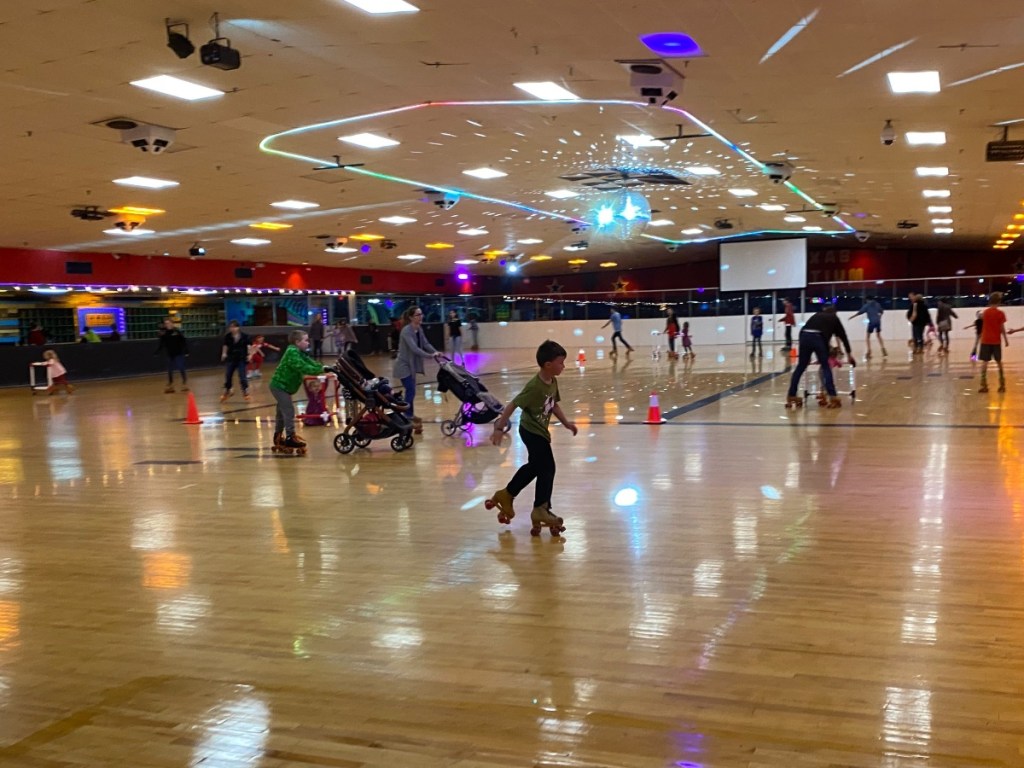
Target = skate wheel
(535,531)
(300,451)
(448,428)
(489,504)
(503,518)
(556,532)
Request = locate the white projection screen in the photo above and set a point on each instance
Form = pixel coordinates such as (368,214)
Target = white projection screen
(759,265)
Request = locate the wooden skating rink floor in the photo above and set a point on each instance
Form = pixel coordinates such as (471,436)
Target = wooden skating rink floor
(742,586)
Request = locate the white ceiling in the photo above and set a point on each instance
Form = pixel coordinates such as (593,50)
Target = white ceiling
(67,66)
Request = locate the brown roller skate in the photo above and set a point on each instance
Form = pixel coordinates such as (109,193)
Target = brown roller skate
(227,393)
(822,400)
(502,499)
(794,402)
(276,447)
(294,444)
(542,518)
(834,402)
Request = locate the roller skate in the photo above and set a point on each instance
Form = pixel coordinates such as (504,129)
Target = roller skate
(169,389)
(247,397)
(417,425)
(1002,384)
(542,517)
(276,447)
(502,499)
(184,388)
(794,402)
(984,385)
(834,402)
(293,444)
(822,400)
(227,393)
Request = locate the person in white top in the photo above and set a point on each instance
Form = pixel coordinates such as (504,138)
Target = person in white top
(58,373)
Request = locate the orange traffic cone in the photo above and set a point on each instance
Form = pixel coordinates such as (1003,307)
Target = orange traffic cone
(193,411)
(581,359)
(654,411)
(792,352)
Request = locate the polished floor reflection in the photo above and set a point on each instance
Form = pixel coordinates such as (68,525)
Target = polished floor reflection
(742,586)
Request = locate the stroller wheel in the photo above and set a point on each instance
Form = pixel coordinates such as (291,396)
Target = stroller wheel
(407,441)
(361,441)
(448,428)
(343,443)
(398,443)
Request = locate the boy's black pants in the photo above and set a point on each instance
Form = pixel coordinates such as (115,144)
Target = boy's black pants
(540,465)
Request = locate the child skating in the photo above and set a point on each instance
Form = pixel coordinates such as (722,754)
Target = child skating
(58,373)
(286,381)
(756,331)
(234,353)
(687,341)
(538,401)
(254,369)
(993,332)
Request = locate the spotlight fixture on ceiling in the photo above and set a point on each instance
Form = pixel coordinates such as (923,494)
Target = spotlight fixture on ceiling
(214,54)
(196,250)
(178,42)
(888,135)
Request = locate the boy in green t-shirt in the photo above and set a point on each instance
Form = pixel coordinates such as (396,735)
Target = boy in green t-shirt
(538,401)
(286,381)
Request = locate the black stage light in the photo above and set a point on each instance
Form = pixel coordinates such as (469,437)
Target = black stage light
(213,54)
(178,42)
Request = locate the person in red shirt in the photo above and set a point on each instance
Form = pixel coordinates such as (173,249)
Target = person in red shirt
(993,331)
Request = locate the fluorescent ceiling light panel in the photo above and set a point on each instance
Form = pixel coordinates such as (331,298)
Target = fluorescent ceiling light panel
(940,209)
(942,221)
(935,192)
(136,210)
(339,249)
(540,257)
(145,182)
(657,223)
(270,225)
(786,38)
(130,232)
(369,140)
(988,73)
(742,192)
(932,171)
(295,205)
(812,229)
(562,194)
(173,86)
(383,6)
(878,57)
(472,232)
(609,264)
(250,241)
(485,173)
(440,246)
(547,91)
(917,138)
(772,207)
(641,140)
(465,262)
(914,82)
(397,220)
(412,257)
(693,231)
(529,241)
(795,219)
(943,230)
(702,170)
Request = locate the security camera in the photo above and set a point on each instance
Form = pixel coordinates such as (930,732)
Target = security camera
(778,172)
(152,139)
(862,236)
(129,223)
(443,200)
(888,134)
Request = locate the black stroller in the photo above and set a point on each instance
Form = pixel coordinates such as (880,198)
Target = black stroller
(478,405)
(374,413)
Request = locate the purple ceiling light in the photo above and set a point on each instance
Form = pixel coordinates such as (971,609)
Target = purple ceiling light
(672,44)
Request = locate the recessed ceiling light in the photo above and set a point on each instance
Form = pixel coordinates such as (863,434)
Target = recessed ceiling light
(472,232)
(575,262)
(485,173)
(943,230)
(812,229)
(270,225)
(173,86)
(935,192)
(439,246)
(795,219)
(145,182)
(940,209)
(702,170)
(250,241)
(914,82)
(412,257)
(540,257)
(135,210)
(383,6)
(495,252)
(562,194)
(917,138)
(932,171)
(942,221)
(547,91)
(742,192)
(366,237)
(295,205)
(368,140)
(638,141)
(465,262)
(660,223)
(772,207)
(529,241)
(609,264)
(693,231)
(132,232)
(574,248)
(339,249)
(397,220)
(671,45)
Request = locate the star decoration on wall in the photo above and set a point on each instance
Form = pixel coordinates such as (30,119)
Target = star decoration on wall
(555,286)
(620,285)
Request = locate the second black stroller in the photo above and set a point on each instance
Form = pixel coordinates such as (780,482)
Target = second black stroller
(478,405)
(374,413)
